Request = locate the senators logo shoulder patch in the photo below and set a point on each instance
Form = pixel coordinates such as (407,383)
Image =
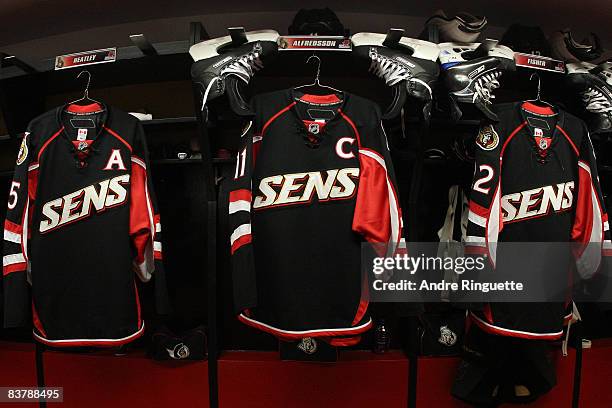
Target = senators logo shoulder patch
(487,138)
(23,150)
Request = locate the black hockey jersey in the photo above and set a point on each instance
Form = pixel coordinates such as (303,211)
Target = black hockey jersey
(81,220)
(313,181)
(535,181)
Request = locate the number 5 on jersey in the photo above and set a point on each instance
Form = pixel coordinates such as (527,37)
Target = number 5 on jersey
(12,201)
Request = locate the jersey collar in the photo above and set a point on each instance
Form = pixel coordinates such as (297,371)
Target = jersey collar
(316,100)
(105,112)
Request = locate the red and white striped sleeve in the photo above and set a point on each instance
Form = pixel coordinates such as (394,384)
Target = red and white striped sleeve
(145,223)
(21,196)
(591,230)
(378,215)
(239,209)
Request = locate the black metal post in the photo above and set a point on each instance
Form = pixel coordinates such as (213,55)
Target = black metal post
(577,366)
(40,372)
(197,32)
(412,235)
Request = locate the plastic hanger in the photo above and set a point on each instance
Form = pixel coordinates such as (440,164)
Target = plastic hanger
(86,92)
(539,97)
(317,82)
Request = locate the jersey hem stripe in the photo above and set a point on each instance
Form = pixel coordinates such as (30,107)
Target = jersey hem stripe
(91,342)
(490,328)
(298,334)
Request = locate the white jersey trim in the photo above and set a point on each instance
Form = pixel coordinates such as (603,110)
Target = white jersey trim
(589,261)
(12,259)
(145,269)
(239,232)
(585,166)
(24,230)
(477,219)
(306,332)
(11,236)
(493,226)
(474,240)
(240,205)
(91,341)
(139,162)
(516,333)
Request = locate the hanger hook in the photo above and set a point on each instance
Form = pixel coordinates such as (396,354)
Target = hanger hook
(318,66)
(539,83)
(86,93)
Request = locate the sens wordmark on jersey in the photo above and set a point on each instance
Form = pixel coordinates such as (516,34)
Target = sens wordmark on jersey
(77,205)
(537,202)
(299,188)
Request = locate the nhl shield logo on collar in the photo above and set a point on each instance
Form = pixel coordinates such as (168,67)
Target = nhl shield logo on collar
(543,142)
(314,128)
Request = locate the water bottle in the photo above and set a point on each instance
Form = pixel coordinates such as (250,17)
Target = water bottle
(382,339)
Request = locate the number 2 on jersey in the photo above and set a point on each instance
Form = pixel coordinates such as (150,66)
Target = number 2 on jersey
(484,179)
